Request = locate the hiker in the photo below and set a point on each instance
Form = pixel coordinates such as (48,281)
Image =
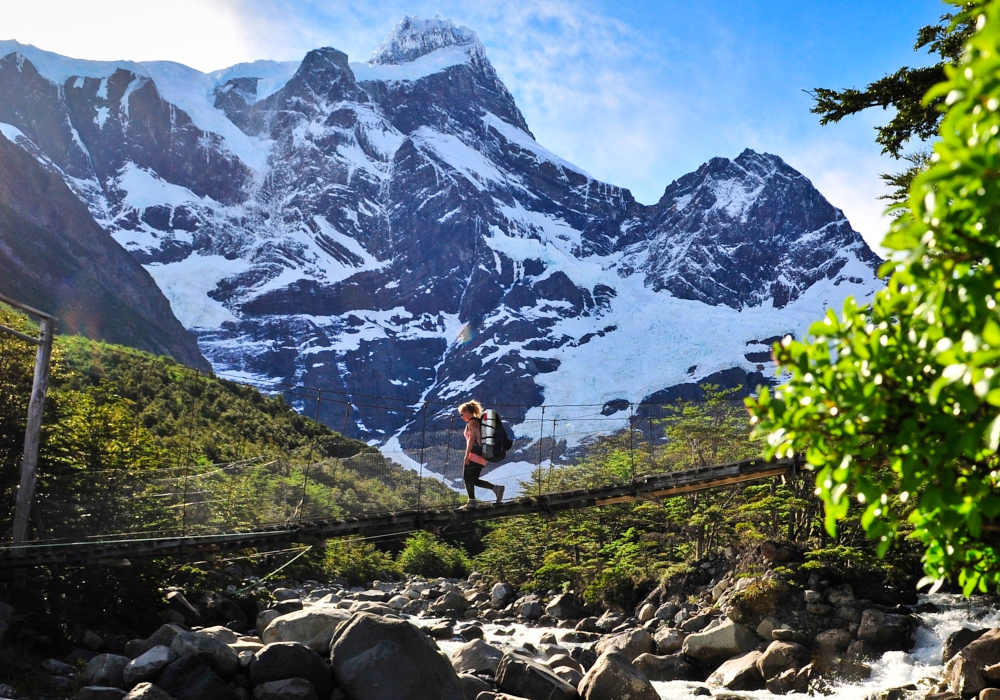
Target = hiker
(471,411)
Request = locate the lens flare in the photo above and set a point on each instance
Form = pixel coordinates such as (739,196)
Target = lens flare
(466,335)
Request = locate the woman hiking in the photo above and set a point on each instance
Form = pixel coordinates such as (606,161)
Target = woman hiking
(471,411)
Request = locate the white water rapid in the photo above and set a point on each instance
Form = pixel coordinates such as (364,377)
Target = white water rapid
(892,670)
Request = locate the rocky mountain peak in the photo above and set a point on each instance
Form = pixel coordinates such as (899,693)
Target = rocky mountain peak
(414,37)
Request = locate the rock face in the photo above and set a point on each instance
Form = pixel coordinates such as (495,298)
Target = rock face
(283,660)
(191,678)
(964,672)
(369,210)
(739,673)
(614,678)
(373,658)
(671,667)
(55,257)
(630,644)
(146,666)
(524,678)
(887,632)
(476,657)
(716,645)
(313,627)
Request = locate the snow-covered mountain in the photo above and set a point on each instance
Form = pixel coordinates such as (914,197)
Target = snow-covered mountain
(392,229)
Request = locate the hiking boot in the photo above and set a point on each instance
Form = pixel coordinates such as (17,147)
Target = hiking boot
(498,490)
(470,504)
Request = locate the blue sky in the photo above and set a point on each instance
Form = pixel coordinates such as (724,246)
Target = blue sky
(636,93)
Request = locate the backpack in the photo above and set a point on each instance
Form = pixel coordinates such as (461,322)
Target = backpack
(495,439)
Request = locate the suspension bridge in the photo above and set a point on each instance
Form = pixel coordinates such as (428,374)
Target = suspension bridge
(192,509)
(653,487)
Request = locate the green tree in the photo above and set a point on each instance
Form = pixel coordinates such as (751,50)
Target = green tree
(427,555)
(900,401)
(904,90)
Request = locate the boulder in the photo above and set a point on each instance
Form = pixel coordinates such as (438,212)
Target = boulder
(992,675)
(313,627)
(375,658)
(191,678)
(740,673)
(223,660)
(886,631)
(264,618)
(785,682)
(222,608)
(161,637)
(285,594)
(471,632)
(608,621)
(579,637)
(500,595)
(451,602)
(283,660)
(564,661)
(696,623)
(767,626)
(668,640)
(178,603)
(98,692)
(840,595)
(672,667)
(529,608)
(646,613)
(570,675)
(784,634)
(830,645)
(472,685)
(613,678)
(630,644)
(6,617)
(959,640)
(585,657)
(989,694)
(148,665)
(964,672)
(666,611)
(286,689)
(148,691)
(58,668)
(720,643)
(565,607)
(398,602)
(520,676)
(781,656)
(476,657)
(107,670)
(223,634)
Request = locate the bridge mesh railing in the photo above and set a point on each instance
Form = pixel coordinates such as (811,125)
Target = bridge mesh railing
(556,448)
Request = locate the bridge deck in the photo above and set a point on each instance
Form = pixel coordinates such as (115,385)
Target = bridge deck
(651,487)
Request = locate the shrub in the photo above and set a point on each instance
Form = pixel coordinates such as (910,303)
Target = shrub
(427,555)
(359,562)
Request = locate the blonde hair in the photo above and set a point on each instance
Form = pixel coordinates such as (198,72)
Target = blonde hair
(473,407)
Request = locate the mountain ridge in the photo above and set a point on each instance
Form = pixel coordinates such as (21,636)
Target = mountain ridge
(404,204)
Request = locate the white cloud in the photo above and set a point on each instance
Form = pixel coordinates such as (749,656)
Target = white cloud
(204,34)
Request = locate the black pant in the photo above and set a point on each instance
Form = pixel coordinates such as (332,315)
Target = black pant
(471,476)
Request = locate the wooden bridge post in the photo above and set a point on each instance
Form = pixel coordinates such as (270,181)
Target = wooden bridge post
(32,433)
(541,436)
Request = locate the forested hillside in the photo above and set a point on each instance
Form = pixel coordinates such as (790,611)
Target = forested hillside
(134,442)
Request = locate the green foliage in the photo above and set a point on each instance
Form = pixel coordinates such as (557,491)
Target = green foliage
(359,562)
(427,555)
(137,443)
(911,381)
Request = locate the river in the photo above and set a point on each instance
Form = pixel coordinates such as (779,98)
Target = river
(894,669)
